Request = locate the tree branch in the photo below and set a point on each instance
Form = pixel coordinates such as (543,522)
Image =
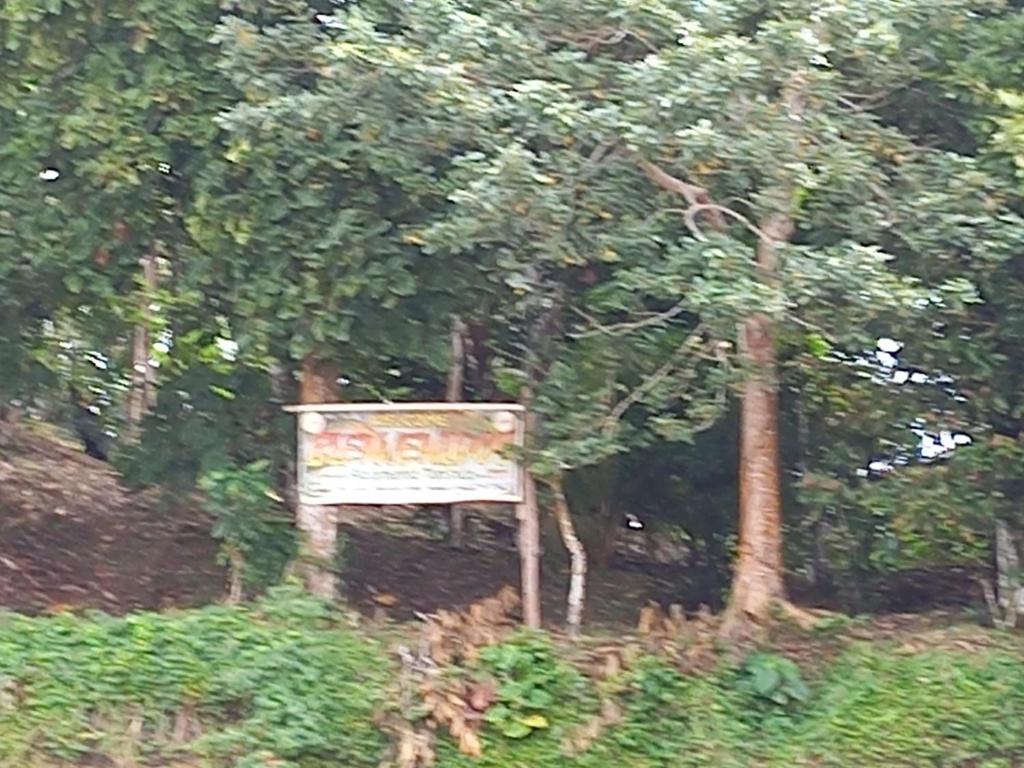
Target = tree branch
(690,214)
(649,383)
(696,196)
(624,328)
(692,193)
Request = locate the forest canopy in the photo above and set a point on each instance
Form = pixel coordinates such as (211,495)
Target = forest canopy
(755,267)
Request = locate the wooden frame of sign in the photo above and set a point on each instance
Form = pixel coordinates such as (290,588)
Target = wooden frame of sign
(378,454)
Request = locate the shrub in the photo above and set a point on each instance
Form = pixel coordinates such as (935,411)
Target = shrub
(283,680)
(534,685)
(255,530)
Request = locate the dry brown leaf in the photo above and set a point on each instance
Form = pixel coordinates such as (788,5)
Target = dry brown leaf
(650,616)
(458,727)
(469,744)
(482,695)
(444,712)
(427,755)
(611,713)
(408,749)
(612,666)
(677,616)
(509,597)
(630,654)
(448,620)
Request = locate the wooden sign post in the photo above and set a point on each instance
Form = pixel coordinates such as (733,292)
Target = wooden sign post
(417,453)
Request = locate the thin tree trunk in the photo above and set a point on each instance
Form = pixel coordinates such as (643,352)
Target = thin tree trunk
(529,554)
(540,333)
(282,386)
(478,355)
(757,584)
(141,397)
(236,573)
(577,560)
(318,524)
(457,366)
(454,393)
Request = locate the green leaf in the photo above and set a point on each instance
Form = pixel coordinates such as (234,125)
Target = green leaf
(516,729)
(766,679)
(818,345)
(227,394)
(73,283)
(497,714)
(535,721)
(539,698)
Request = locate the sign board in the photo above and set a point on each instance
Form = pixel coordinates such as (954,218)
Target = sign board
(417,453)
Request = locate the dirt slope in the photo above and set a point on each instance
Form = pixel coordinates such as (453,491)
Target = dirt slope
(72,537)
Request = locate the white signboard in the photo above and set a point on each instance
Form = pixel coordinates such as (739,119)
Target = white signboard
(420,453)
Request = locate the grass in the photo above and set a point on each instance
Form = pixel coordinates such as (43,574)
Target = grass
(876,704)
(281,681)
(287,683)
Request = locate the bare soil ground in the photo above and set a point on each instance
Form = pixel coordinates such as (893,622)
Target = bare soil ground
(72,538)
(416,575)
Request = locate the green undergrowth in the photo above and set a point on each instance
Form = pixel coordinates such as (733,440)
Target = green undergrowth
(290,684)
(281,683)
(875,705)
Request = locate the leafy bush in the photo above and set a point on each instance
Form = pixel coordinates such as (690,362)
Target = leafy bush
(286,683)
(773,679)
(875,705)
(281,683)
(885,706)
(254,528)
(532,681)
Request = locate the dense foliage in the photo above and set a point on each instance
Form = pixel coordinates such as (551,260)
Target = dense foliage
(286,683)
(585,187)
(283,682)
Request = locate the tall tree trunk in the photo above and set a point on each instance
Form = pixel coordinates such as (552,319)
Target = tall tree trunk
(757,584)
(529,554)
(318,524)
(539,335)
(282,386)
(457,365)
(1006,601)
(577,560)
(453,393)
(141,397)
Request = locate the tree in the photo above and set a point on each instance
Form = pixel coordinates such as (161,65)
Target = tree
(631,183)
(650,216)
(750,118)
(107,113)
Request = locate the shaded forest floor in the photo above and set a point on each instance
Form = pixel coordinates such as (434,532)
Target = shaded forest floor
(72,537)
